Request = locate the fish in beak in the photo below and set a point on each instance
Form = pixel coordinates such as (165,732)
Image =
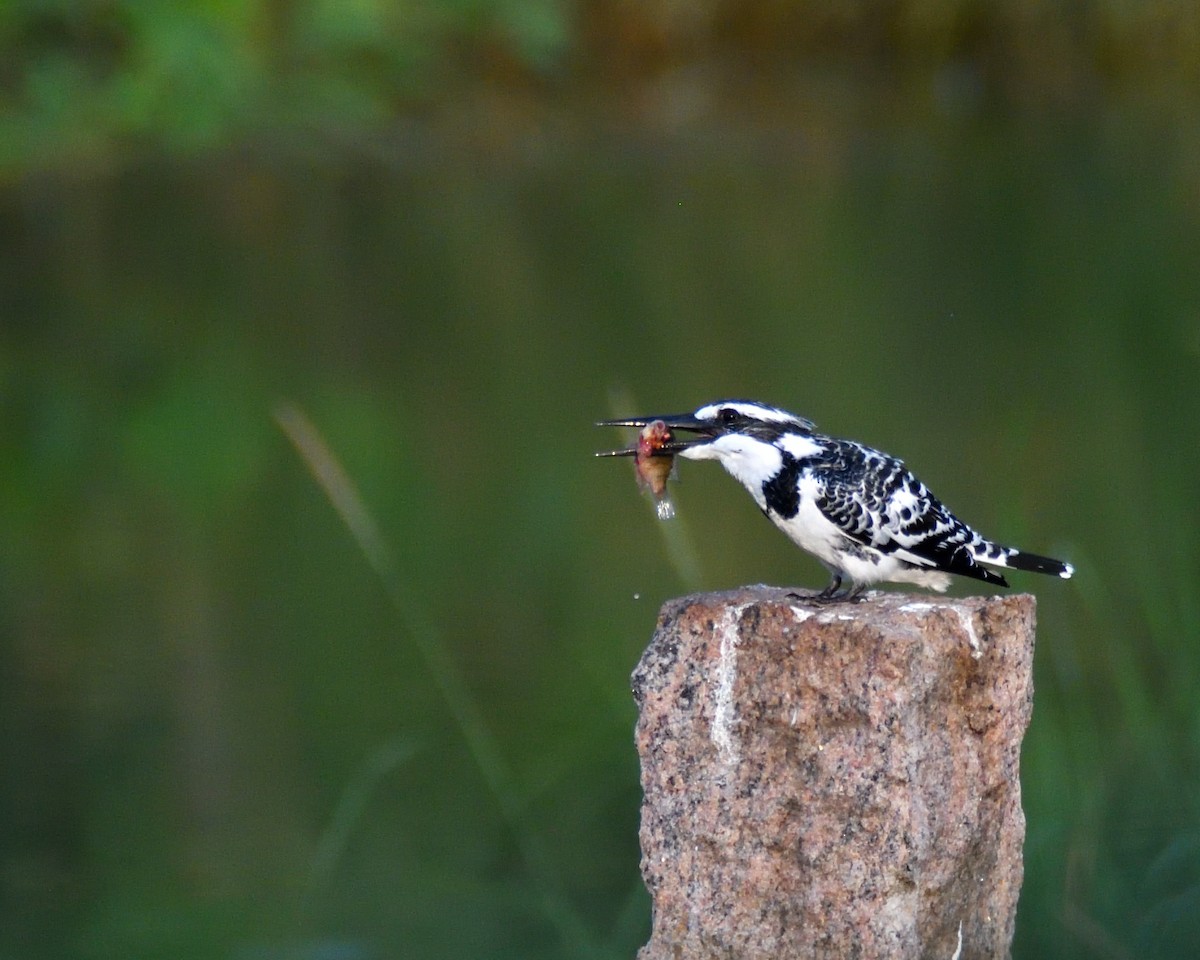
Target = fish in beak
(670,444)
(654,453)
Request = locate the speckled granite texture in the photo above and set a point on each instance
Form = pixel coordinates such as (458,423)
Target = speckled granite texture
(834,780)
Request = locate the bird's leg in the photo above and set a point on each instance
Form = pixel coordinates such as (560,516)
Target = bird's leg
(834,593)
(831,591)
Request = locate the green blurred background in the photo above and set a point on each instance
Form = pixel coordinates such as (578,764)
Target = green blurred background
(453,234)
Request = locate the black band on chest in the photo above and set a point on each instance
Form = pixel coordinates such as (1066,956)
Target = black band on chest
(782,492)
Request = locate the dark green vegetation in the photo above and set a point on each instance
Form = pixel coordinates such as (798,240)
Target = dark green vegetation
(225,736)
(83,80)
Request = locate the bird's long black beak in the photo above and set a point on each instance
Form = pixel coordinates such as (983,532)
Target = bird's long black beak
(674,422)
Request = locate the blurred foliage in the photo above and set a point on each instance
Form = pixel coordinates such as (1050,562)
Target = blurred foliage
(87,78)
(80,81)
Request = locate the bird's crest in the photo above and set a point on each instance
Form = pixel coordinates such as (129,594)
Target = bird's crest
(739,414)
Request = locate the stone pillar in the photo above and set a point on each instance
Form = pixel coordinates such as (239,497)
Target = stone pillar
(834,780)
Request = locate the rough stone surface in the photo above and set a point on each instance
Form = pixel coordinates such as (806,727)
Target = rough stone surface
(833,781)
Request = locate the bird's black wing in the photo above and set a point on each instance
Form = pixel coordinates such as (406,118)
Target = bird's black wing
(876,501)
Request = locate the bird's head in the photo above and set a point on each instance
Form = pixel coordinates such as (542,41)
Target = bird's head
(749,438)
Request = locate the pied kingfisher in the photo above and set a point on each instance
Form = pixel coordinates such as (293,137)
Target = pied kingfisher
(857,510)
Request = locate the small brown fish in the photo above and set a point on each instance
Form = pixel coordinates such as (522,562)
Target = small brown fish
(653,459)
(653,468)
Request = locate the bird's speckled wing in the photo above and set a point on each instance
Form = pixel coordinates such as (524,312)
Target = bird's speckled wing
(876,501)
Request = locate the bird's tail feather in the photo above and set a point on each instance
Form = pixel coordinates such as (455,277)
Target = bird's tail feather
(1020,560)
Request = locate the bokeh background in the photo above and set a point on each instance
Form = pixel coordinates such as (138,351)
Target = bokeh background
(437,240)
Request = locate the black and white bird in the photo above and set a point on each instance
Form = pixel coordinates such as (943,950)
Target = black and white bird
(859,511)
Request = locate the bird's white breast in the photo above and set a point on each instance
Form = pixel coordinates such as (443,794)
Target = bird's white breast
(810,529)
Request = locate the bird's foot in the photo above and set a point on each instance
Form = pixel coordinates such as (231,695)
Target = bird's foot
(835,593)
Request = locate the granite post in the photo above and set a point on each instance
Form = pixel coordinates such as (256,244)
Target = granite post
(834,780)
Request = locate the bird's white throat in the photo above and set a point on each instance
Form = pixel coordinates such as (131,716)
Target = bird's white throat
(747,459)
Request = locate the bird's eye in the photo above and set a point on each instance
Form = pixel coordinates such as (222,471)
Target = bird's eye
(728,415)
